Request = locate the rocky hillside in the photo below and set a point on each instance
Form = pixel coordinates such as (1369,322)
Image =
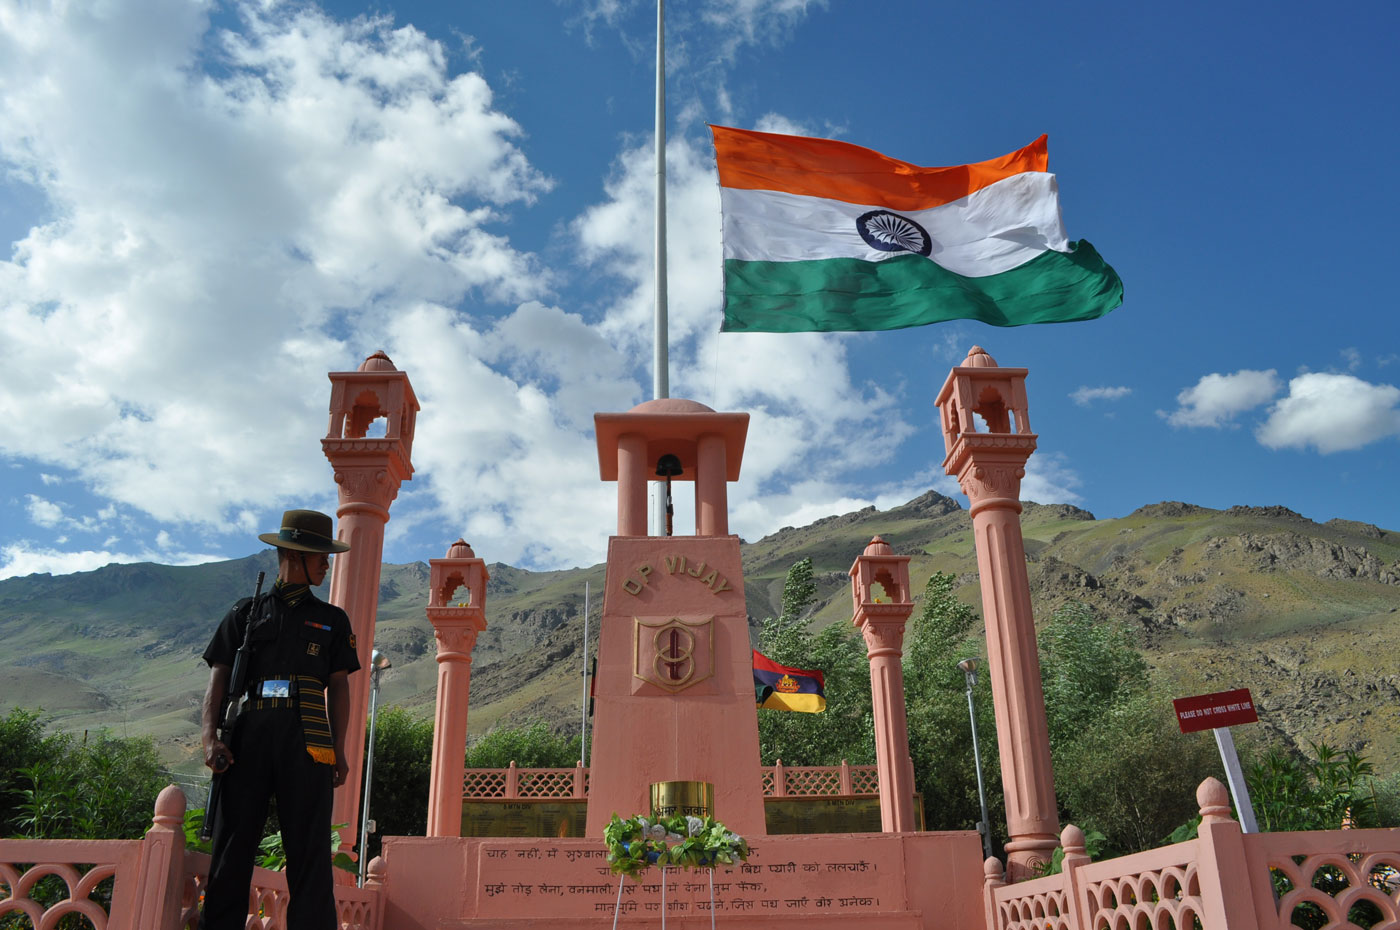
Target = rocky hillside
(1303,613)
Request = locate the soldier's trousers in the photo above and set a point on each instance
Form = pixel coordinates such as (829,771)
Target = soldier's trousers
(270,760)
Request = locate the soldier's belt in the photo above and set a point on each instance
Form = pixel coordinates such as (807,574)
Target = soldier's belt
(273,688)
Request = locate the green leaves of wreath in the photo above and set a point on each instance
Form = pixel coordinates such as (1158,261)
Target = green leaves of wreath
(637,843)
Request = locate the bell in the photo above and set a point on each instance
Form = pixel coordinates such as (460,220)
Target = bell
(668,466)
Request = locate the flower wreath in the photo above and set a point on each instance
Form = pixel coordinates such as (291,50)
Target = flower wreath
(681,841)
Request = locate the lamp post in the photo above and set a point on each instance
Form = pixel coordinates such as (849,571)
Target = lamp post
(969,670)
(378,662)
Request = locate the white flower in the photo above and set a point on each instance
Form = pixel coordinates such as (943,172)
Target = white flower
(674,837)
(656,831)
(693,825)
(733,839)
(643,823)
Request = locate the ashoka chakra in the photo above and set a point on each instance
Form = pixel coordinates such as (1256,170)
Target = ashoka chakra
(890,232)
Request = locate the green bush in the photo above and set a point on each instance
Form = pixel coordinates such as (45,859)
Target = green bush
(61,787)
(534,746)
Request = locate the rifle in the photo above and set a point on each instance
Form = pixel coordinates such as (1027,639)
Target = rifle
(228,713)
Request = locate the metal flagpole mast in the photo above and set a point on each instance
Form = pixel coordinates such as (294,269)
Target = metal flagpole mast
(661,386)
(661,379)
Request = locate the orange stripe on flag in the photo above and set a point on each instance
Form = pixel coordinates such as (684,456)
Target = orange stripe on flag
(835,170)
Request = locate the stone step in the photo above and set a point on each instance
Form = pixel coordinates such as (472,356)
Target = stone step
(816,920)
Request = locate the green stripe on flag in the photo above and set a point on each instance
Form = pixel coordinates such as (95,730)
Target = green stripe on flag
(848,294)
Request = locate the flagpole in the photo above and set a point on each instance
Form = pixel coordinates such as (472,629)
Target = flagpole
(661,380)
(661,386)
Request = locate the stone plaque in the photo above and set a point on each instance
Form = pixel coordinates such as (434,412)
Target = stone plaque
(546,817)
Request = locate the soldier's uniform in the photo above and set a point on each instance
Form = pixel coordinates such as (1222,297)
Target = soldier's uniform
(282,748)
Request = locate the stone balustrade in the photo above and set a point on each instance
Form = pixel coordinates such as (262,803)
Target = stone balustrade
(1224,879)
(781,781)
(153,883)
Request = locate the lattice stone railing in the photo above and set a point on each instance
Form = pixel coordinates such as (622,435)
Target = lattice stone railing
(146,884)
(512,783)
(1223,880)
(1346,880)
(1153,890)
(791,781)
(1040,904)
(86,888)
(1163,889)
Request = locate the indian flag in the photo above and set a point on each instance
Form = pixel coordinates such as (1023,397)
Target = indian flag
(826,236)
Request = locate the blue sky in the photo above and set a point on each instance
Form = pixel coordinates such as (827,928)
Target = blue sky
(208,206)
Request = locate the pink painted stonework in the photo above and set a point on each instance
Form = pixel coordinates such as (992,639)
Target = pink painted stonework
(910,881)
(989,464)
(370,464)
(457,611)
(674,688)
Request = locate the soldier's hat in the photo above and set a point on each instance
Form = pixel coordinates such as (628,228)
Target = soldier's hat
(305,531)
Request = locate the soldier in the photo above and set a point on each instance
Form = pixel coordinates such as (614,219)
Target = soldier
(288,741)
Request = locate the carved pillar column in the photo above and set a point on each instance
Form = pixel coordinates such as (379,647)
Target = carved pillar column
(368,470)
(711,490)
(989,465)
(632,485)
(455,626)
(880,591)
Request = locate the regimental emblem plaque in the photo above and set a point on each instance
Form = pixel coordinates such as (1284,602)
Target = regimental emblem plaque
(673,653)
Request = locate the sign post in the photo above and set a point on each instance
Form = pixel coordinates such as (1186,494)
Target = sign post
(1217,713)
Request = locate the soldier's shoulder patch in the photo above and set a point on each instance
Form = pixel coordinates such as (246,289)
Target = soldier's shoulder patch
(352,641)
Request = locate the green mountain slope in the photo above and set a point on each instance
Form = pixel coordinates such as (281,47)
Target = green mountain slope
(1302,613)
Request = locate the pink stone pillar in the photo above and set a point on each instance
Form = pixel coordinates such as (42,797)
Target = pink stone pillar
(711,499)
(455,626)
(880,590)
(632,476)
(368,470)
(161,878)
(989,466)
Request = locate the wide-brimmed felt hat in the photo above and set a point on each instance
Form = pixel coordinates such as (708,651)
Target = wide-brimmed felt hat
(305,531)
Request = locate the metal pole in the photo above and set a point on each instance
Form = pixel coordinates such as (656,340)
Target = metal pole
(661,373)
(985,827)
(1234,774)
(661,386)
(369,768)
(583,707)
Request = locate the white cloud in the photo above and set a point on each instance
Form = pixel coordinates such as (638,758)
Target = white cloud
(216,238)
(1352,356)
(50,515)
(1050,480)
(24,559)
(1217,399)
(1332,413)
(1086,395)
(755,22)
(329,190)
(42,512)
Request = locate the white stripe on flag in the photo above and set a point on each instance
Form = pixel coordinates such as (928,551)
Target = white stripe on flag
(995,229)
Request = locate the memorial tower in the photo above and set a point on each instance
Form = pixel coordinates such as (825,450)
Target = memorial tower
(674,689)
